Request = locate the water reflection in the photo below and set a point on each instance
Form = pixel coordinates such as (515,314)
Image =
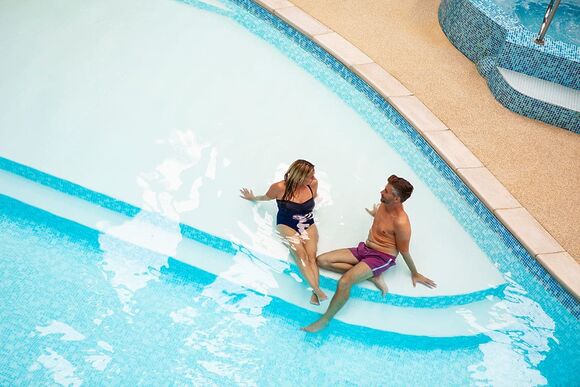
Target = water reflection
(522,345)
(62,371)
(129,269)
(224,350)
(156,229)
(60,328)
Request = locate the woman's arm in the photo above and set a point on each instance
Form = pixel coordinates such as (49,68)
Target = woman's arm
(273,193)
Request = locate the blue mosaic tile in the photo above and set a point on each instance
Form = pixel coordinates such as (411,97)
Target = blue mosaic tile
(110,203)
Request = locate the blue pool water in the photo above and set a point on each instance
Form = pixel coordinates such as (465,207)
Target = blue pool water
(79,306)
(69,316)
(564,27)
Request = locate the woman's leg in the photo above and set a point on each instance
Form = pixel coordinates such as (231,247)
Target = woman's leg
(310,240)
(295,245)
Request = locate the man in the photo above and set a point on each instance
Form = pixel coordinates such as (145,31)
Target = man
(390,234)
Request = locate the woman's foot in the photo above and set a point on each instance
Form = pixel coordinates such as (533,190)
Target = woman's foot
(380,284)
(317,297)
(320,294)
(314,299)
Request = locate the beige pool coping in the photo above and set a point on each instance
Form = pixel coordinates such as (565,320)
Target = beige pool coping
(538,242)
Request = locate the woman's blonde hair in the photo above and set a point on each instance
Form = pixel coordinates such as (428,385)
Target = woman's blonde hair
(295,176)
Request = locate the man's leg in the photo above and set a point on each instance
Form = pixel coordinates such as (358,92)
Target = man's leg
(339,261)
(342,261)
(358,273)
(380,284)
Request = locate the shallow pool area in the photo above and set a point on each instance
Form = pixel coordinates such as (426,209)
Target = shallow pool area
(127,256)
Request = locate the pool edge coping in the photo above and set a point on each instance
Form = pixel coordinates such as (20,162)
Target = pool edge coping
(539,243)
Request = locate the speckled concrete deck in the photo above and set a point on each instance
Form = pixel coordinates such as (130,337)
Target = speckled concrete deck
(440,92)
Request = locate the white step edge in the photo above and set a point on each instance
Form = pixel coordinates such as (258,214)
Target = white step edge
(542,90)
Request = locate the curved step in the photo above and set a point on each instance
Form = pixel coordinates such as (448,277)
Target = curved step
(452,289)
(242,269)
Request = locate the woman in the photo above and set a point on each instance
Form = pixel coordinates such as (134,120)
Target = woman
(295,199)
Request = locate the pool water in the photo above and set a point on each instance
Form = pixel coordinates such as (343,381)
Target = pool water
(564,27)
(168,126)
(81,307)
(160,136)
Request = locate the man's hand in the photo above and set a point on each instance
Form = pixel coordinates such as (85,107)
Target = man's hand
(247,194)
(373,212)
(420,278)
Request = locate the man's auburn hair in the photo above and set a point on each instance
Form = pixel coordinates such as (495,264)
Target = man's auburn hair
(402,188)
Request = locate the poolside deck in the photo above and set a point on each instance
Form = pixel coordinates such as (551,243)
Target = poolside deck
(538,163)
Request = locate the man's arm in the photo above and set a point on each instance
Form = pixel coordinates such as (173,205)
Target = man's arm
(402,239)
(415,275)
(373,212)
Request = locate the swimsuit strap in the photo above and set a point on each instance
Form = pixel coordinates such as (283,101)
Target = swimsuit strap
(290,201)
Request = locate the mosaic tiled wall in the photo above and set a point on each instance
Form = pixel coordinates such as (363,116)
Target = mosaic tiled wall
(491,38)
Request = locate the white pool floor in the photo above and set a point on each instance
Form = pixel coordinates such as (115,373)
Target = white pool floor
(175,117)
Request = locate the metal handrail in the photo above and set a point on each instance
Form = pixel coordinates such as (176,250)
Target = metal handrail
(548,16)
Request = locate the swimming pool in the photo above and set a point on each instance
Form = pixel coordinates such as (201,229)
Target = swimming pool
(93,295)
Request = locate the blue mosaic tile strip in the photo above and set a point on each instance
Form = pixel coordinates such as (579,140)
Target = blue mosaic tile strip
(108,202)
(489,38)
(30,216)
(296,316)
(434,302)
(68,187)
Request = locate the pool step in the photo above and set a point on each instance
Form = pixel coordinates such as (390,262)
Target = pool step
(542,90)
(533,97)
(450,321)
(267,277)
(228,279)
(52,193)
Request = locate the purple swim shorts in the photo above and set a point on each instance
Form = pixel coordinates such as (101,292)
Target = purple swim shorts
(377,260)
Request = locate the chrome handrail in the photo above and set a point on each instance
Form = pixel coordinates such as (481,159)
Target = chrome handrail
(548,16)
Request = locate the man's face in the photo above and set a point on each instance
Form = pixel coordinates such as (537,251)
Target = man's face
(388,196)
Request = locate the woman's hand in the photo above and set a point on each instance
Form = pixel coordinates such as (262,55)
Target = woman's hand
(247,194)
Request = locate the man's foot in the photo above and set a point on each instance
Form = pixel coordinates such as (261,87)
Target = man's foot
(380,283)
(316,326)
(314,299)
